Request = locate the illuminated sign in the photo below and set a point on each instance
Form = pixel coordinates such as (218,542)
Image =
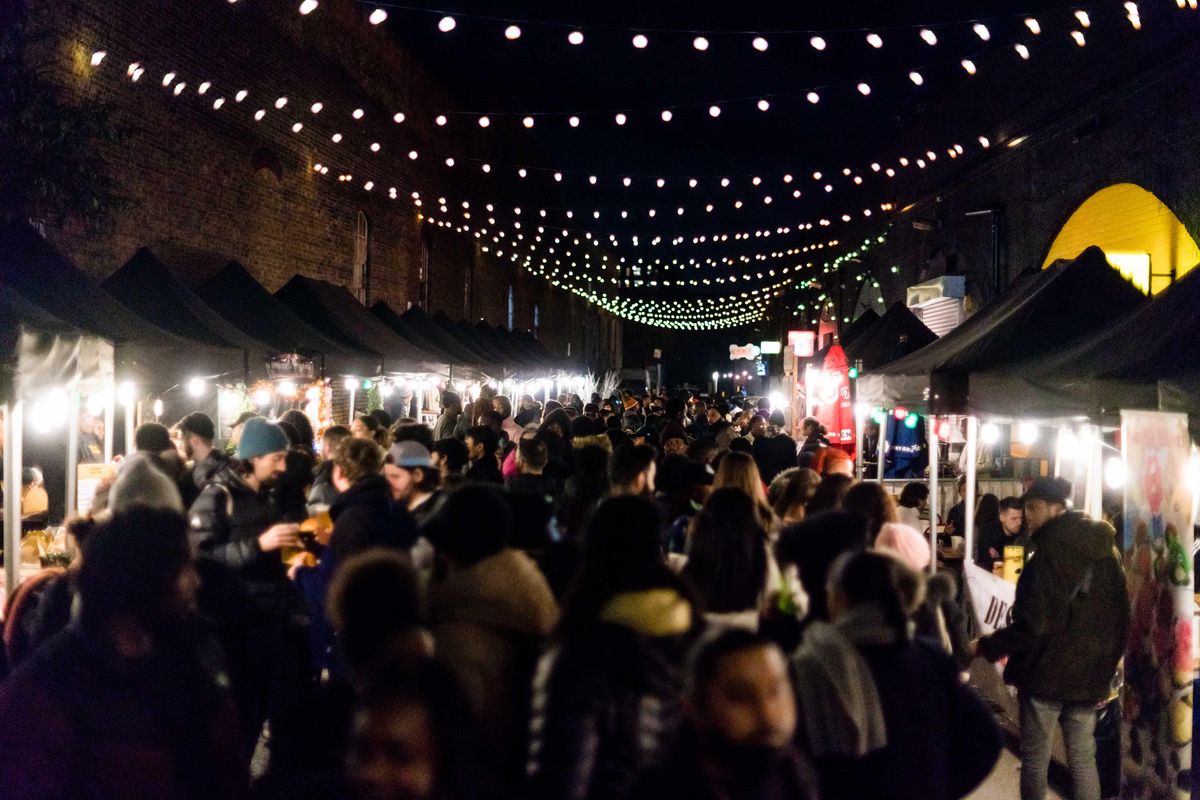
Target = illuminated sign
(771,348)
(803,342)
(745,351)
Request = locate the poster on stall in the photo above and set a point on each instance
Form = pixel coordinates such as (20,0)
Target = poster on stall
(992,600)
(1157,534)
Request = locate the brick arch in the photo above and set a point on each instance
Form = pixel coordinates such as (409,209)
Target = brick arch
(1127,221)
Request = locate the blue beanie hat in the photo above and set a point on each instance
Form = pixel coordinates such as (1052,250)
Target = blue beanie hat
(260,437)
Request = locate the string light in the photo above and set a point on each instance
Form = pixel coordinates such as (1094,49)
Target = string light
(308,6)
(982,31)
(1022,51)
(1034,26)
(969,66)
(640,41)
(512,33)
(98,57)
(575,37)
(817,42)
(875,40)
(447,24)
(1079,38)
(916,78)
(378,17)
(700,43)
(930,38)
(760,44)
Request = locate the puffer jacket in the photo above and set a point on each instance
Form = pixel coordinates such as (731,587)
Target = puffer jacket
(606,699)
(1071,615)
(489,622)
(226,521)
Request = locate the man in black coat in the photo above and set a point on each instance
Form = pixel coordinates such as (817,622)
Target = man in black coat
(481,443)
(1068,631)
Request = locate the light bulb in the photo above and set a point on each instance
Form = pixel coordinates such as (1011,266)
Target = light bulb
(875,40)
(573,122)
(969,66)
(640,41)
(512,33)
(527,122)
(1115,472)
(813,98)
(1034,26)
(864,89)
(666,115)
(700,43)
(763,105)
(817,43)
(308,6)
(97,57)
(1022,51)
(760,44)
(982,31)
(447,24)
(1027,432)
(989,433)
(484,122)
(714,111)
(916,77)
(575,37)
(929,36)
(195,387)
(378,16)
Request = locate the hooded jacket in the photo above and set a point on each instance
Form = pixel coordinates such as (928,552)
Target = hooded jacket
(489,621)
(606,700)
(1071,615)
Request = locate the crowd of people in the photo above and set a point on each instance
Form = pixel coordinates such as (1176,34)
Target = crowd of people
(622,598)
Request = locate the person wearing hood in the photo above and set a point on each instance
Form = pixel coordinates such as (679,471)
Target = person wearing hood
(364,516)
(1069,625)
(607,695)
(323,492)
(884,716)
(490,611)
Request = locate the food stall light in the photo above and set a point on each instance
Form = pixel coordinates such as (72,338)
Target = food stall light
(1193,472)
(776,399)
(1068,446)
(900,412)
(287,389)
(195,387)
(49,412)
(350,384)
(312,394)
(989,433)
(1027,432)
(385,389)
(861,411)
(158,407)
(95,405)
(366,384)
(1115,472)
(262,398)
(943,431)
(911,420)
(125,392)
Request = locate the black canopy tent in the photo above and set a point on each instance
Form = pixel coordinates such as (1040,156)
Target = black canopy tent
(848,334)
(245,303)
(457,367)
(339,315)
(531,348)
(534,345)
(144,352)
(1039,314)
(503,343)
(148,288)
(423,324)
(894,335)
(1144,361)
(491,360)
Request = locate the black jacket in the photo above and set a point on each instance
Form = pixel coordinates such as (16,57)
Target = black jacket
(774,454)
(1071,615)
(605,708)
(226,521)
(942,740)
(485,470)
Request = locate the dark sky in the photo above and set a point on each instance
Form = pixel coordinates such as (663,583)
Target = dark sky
(542,74)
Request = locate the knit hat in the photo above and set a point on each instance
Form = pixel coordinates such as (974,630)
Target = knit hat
(905,542)
(410,454)
(141,483)
(199,425)
(241,420)
(260,437)
(152,437)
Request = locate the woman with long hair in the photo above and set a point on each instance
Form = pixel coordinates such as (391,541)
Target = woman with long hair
(886,716)
(728,560)
(739,471)
(990,546)
(872,501)
(606,695)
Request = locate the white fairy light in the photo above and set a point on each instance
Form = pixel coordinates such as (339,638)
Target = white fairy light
(763,105)
(1034,26)
(982,31)
(621,119)
(281,102)
(447,24)
(308,6)
(817,43)
(700,43)
(378,17)
(358,113)
(527,122)
(98,57)
(916,77)
(640,41)
(714,111)
(575,37)
(1022,51)
(813,98)
(398,117)
(864,89)
(484,122)
(969,66)
(875,40)
(573,122)
(760,44)
(440,120)
(512,33)
(666,115)
(929,37)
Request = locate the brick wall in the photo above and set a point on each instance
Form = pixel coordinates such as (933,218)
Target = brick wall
(203,186)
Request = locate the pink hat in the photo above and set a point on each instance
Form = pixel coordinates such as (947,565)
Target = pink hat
(905,542)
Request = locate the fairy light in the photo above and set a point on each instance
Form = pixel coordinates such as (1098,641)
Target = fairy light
(864,89)
(813,98)
(447,24)
(714,111)
(1022,51)
(760,44)
(1084,20)
(98,57)
(817,42)
(969,66)
(575,38)
(1079,38)
(308,6)
(700,43)
(916,78)
(512,33)
(378,17)
(763,105)
(527,122)
(875,40)
(640,41)
(1033,25)
(666,115)
(982,31)
(929,37)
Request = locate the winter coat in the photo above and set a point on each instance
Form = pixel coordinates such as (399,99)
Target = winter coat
(692,773)
(485,470)
(323,492)
(606,699)
(1071,615)
(207,468)
(364,516)
(774,454)
(226,521)
(939,739)
(78,722)
(488,622)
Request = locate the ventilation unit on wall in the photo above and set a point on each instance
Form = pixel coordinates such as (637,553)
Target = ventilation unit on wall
(940,303)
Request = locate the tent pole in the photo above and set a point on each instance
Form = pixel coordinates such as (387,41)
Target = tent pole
(130,421)
(350,416)
(860,450)
(934,454)
(13,428)
(72,451)
(881,453)
(110,419)
(969,498)
(1093,500)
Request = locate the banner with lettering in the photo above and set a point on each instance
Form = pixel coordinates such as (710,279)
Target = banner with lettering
(992,598)
(1157,702)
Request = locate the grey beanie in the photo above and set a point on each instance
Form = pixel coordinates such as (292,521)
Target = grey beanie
(141,483)
(260,437)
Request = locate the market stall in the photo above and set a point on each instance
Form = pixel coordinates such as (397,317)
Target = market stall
(456,364)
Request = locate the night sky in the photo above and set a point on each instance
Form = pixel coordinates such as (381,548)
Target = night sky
(543,75)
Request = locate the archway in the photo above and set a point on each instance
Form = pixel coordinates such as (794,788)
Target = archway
(1141,236)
